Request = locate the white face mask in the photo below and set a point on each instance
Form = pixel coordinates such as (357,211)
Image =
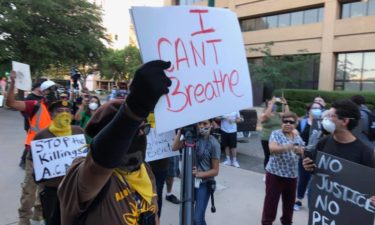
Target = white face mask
(316,113)
(93,106)
(328,125)
(204,130)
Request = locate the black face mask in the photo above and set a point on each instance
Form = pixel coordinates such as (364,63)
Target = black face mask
(135,155)
(51,97)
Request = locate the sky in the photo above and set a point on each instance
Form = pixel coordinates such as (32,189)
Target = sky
(117,18)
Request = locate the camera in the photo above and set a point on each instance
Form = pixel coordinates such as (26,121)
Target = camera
(277,99)
(146,218)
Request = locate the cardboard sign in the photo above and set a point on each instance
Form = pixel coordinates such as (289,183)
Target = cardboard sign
(159,146)
(23,79)
(341,192)
(52,157)
(209,71)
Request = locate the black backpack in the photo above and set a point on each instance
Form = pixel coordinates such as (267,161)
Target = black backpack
(371,125)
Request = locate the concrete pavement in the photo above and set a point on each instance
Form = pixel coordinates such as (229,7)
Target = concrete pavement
(238,200)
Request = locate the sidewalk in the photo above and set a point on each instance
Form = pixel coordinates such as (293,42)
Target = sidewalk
(238,200)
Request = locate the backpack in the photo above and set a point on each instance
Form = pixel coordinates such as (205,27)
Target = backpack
(371,125)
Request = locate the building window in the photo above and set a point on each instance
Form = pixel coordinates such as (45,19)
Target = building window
(188,2)
(355,71)
(358,9)
(283,20)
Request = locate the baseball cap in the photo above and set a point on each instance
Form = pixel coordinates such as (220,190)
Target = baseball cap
(47,84)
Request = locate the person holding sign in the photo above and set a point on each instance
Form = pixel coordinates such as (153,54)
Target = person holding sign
(39,118)
(282,170)
(206,169)
(113,185)
(60,127)
(341,118)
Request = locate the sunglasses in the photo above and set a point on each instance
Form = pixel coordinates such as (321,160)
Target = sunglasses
(289,121)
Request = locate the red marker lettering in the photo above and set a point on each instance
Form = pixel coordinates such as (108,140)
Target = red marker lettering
(202,30)
(160,41)
(195,54)
(180,44)
(214,46)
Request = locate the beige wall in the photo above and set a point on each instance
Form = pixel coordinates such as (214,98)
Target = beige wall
(328,38)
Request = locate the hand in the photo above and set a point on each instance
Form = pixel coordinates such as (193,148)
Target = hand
(308,164)
(283,101)
(195,172)
(373,200)
(13,76)
(149,84)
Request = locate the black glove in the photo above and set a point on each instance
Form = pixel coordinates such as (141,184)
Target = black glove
(148,85)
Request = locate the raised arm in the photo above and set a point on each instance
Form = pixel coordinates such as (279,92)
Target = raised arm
(11,99)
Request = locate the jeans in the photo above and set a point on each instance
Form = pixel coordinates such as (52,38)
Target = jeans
(202,195)
(303,180)
(160,180)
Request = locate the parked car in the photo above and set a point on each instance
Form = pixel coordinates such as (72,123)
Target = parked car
(100,91)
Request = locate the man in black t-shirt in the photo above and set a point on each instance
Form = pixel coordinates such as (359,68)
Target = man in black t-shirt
(341,119)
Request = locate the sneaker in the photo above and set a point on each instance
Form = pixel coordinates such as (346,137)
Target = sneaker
(227,162)
(172,198)
(297,206)
(235,164)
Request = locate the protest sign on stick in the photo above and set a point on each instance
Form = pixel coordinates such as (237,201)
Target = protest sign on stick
(159,146)
(52,157)
(23,79)
(209,71)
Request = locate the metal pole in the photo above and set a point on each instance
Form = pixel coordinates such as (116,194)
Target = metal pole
(187,197)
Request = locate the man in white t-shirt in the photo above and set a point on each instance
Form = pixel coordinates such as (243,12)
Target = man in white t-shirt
(228,128)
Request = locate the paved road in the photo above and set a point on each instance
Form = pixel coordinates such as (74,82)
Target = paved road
(239,198)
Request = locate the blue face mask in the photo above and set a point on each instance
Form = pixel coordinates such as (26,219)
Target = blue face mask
(274,108)
(316,113)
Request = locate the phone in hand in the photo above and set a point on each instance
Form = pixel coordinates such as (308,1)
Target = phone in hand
(309,154)
(277,99)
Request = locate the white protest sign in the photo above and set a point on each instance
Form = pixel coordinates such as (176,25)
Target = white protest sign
(209,71)
(52,157)
(23,79)
(159,146)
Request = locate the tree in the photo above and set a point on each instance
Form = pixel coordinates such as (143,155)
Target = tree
(50,32)
(120,64)
(281,71)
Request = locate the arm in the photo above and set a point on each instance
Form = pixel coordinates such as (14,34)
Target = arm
(11,99)
(277,148)
(213,172)
(81,108)
(267,112)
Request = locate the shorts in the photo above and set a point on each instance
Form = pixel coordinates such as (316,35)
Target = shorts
(174,169)
(228,139)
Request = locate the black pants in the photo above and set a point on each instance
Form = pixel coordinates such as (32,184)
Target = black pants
(48,198)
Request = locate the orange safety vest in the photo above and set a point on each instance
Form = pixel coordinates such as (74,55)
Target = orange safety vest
(40,120)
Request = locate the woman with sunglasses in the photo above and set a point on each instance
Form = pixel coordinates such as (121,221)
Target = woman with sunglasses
(282,170)
(207,167)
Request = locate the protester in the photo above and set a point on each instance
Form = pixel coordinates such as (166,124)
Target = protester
(271,120)
(173,171)
(342,118)
(39,119)
(362,129)
(88,107)
(228,126)
(320,100)
(60,126)
(282,170)
(307,128)
(114,167)
(207,167)
(36,94)
(3,85)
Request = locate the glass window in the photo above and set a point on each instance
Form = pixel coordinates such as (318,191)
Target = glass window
(296,18)
(371,7)
(354,66)
(352,86)
(320,14)
(368,86)
(260,23)
(310,16)
(248,25)
(284,20)
(345,11)
(272,21)
(358,9)
(369,66)
(340,67)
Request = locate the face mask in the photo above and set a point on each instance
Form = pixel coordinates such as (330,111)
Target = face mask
(62,120)
(316,113)
(93,105)
(328,125)
(204,130)
(51,97)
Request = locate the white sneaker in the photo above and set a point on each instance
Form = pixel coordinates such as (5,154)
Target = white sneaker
(235,164)
(227,162)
